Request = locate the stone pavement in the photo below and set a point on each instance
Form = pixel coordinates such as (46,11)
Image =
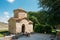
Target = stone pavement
(36,36)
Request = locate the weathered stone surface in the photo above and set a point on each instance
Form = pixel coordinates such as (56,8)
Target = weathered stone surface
(16,23)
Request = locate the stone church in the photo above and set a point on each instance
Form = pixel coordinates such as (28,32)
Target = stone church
(20,23)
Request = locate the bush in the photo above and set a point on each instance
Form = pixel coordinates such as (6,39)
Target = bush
(4,32)
(54,33)
(48,29)
(42,29)
(36,28)
(39,28)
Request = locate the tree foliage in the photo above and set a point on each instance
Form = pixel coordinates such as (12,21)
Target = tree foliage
(53,9)
(42,28)
(39,20)
(39,17)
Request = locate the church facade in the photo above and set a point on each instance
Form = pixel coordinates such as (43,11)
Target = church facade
(20,23)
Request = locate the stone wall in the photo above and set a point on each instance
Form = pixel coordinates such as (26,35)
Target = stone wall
(15,23)
(12,26)
(28,27)
(22,15)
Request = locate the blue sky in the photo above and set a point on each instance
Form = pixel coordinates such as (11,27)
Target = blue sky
(7,7)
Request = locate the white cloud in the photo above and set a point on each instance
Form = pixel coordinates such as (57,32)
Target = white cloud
(5,17)
(10,1)
(6,13)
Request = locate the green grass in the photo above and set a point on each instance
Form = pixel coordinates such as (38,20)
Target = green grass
(58,30)
(1,35)
(53,30)
(2,32)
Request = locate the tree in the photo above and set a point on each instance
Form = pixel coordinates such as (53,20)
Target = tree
(39,19)
(53,9)
(40,16)
(32,17)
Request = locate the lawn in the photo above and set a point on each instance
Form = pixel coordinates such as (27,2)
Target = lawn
(58,30)
(1,35)
(53,30)
(2,32)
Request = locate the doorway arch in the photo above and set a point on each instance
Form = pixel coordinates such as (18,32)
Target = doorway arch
(23,28)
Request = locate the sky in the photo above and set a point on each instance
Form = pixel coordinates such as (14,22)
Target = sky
(7,7)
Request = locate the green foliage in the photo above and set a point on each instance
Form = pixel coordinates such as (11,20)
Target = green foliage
(39,28)
(42,28)
(50,15)
(1,35)
(48,29)
(32,17)
(36,28)
(39,20)
(2,32)
(39,17)
(53,9)
(54,33)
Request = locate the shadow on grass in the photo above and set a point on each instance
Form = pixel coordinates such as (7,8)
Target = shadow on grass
(4,33)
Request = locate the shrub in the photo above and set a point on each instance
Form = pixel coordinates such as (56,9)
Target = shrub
(36,28)
(42,28)
(39,28)
(48,29)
